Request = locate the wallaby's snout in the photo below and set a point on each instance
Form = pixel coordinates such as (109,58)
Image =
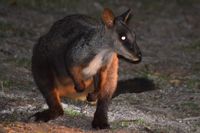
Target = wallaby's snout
(124,40)
(135,53)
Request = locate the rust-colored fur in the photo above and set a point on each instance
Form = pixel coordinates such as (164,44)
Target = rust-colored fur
(108,81)
(109,77)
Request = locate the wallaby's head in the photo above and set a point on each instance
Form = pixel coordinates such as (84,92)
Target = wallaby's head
(123,39)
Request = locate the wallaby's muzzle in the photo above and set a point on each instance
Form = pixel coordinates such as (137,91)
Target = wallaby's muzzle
(137,55)
(137,58)
(133,58)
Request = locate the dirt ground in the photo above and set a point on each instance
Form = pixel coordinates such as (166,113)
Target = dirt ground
(159,95)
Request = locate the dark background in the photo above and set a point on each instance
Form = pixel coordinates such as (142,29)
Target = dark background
(168,33)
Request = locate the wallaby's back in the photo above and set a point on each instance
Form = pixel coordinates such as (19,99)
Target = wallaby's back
(68,43)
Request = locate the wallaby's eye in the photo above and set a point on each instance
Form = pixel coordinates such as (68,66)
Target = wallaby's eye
(123,38)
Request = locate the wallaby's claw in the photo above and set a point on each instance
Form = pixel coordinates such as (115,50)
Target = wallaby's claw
(79,87)
(46,115)
(91,97)
(40,116)
(100,125)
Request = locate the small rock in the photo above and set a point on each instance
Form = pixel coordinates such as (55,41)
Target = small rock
(175,82)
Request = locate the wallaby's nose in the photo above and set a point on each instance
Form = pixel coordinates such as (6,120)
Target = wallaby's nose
(140,55)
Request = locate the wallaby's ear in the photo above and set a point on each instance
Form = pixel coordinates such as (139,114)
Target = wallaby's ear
(108,17)
(124,17)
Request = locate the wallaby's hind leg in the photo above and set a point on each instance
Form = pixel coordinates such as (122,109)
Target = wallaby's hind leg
(108,83)
(45,81)
(55,108)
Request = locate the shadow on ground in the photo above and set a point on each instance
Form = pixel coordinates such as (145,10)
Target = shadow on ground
(135,85)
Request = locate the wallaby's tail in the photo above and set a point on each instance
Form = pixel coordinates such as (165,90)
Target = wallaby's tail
(136,85)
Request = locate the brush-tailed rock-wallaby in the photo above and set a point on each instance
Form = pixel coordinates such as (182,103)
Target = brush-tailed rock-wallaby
(79,52)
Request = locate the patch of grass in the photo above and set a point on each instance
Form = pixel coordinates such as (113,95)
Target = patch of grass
(72,113)
(15,83)
(8,29)
(197,126)
(158,78)
(196,67)
(127,123)
(6,84)
(21,32)
(188,2)
(120,124)
(193,83)
(145,72)
(20,62)
(190,107)
(23,62)
(5,29)
(5,26)
(139,122)
(155,5)
(193,46)
(43,4)
(10,118)
(162,130)
(108,3)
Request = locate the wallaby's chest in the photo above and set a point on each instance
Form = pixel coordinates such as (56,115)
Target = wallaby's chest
(101,59)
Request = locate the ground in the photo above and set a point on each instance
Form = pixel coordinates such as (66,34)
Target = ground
(168,35)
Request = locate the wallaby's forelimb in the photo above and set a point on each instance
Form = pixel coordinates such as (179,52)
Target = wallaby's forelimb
(76,75)
(108,78)
(92,96)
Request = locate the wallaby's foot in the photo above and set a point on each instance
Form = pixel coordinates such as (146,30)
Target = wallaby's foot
(92,97)
(100,123)
(79,87)
(47,115)
(100,120)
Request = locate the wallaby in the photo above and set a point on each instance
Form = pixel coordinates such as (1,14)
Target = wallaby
(79,52)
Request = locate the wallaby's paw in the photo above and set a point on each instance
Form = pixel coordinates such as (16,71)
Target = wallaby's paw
(91,97)
(96,124)
(100,125)
(79,88)
(41,116)
(45,116)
